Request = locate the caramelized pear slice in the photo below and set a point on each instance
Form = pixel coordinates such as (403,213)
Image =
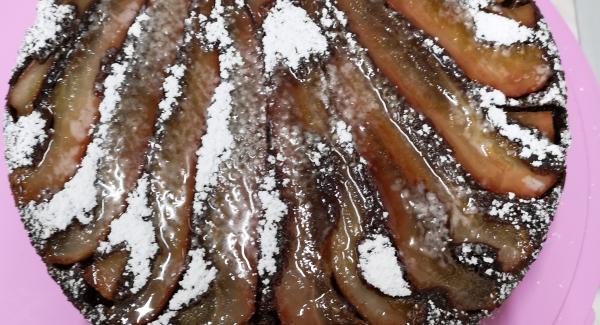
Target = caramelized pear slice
(129,133)
(427,267)
(516,70)
(31,79)
(74,104)
(340,251)
(432,91)
(398,169)
(305,293)
(27,87)
(374,307)
(105,273)
(364,111)
(543,121)
(172,187)
(183,133)
(228,227)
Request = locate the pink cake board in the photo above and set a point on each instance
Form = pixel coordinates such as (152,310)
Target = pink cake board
(559,288)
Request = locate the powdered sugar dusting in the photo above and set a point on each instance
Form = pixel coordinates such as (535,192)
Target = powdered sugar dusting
(79,195)
(380,267)
(48,25)
(291,37)
(196,280)
(172,90)
(218,141)
(534,145)
(21,138)
(274,210)
(495,28)
(499,29)
(136,231)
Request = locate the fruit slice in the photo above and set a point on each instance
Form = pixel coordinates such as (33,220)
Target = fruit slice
(399,171)
(29,83)
(74,104)
(27,87)
(515,70)
(172,187)
(366,113)
(429,89)
(228,226)
(128,133)
(305,293)
(374,307)
(172,196)
(105,274)
(543,121)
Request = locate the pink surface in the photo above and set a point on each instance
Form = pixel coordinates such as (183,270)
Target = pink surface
(559,288)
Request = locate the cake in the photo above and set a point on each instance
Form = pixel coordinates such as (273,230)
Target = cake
(293,162)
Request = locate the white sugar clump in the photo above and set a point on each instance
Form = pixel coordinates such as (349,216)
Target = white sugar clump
(380,267)
(495,28)
(21,138)
(47,27)
(499,29)
(533,144)
(79,195)
(344,136)
(291,37)
(218,141)
(274,209)
(136,231)
(172,90)
(195,281)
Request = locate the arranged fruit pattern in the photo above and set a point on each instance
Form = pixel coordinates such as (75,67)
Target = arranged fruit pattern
(270,161)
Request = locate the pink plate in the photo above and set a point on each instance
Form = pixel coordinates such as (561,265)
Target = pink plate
(559,288)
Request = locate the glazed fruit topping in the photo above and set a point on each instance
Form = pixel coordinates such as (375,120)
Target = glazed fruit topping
(396,51)
(516,69)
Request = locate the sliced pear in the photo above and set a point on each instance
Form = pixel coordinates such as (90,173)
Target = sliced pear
(432,91)
(106,273)
(231,218)
(172,182)
(74,105)
(128,134)
(28,86)
(516,70)
(542,121)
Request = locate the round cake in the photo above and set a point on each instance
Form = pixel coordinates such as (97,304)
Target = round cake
(287,161)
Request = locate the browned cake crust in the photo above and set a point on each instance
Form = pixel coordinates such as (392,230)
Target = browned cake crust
(264,162)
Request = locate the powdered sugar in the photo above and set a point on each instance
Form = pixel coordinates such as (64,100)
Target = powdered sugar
(380,267)
(172,90)
(344,136)
(47,27)
(218,141)
(291,37)
(136,231)
(274,210)
(499,29)
(533,145)
(195,281)
(21,138)
(495,28)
